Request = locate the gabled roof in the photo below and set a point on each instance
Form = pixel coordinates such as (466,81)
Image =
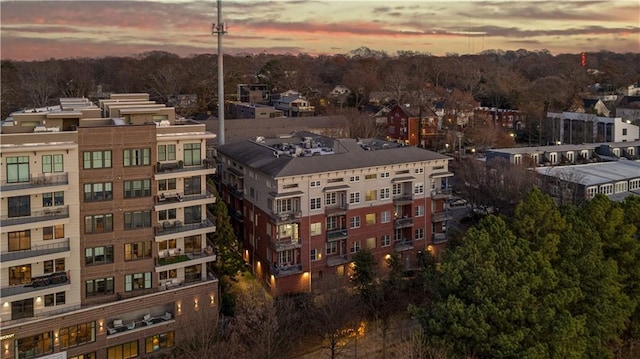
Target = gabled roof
(414,111)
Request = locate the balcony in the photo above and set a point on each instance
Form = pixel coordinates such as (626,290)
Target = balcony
(35,251)
(286,244)
(286,217)
(118,326)
(178,197)
(169,257)
(439,237)
(403,223)
(169,227)
(236,214)
(337,234)
(440,217)
(41,180)
(441,193)
(36,216)
(236,191)
(336,260)
(336,209)
(403,245)
(179,166)
(286,270)
(37,283)
(403,199)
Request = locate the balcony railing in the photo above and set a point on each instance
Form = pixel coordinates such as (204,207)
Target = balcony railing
(403,245)
(164,198)
(285,217)
(336,234)
(169,227)
(36,216)
(41,180)
(236,191)
(286,270)
(403,199)
(403,222)
(179,166)
(336,209)
(37,283)
(336,260)
(440,216)
(441,193)
(185,257)
(34,251)
(285,244)
(439,237)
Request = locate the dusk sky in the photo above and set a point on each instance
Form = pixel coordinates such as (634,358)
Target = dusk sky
(37,30)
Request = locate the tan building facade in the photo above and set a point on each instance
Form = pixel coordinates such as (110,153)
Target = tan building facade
(105,248)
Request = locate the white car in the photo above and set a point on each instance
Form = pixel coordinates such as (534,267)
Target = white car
(457,202)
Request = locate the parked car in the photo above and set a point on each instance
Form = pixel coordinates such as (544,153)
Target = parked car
(457,202)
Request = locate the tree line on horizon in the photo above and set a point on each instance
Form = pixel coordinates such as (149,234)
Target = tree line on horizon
(530,81)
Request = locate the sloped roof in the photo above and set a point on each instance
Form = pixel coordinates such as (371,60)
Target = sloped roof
(348,154)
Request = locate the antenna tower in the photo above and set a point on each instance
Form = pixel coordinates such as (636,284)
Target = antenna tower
(220,29)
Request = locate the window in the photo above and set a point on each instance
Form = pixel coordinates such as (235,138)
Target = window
(19,240)
(354,179)
(52,163)
(418,188)
(316,228)
(137,188)
(98,255)
(284,205)
(385,240)
(371,195)
(137,157)
(384,174)
(123,351)
(54,299)
(314,183)
(192,185)
(192,214)
(192,244)
(332,223)
(98,191)
(53,199)
(138,219)
(167,214)
(592,191)
(99,286)
(159,341)
(371,242)
(166,152)
(314,255)
(167,184)
(370,218)
(18,169)
(61,297)
(371,176)
(385,193)
(20,274)
(285,257)
(419,234)
(335,180)
(316,203)
(621,187)
(91,355)
(19,206)
(34,346)
(397,189)
(354,197)
(77,335)
(332,247)
(385,216)
(137,281)
(517,159)
(137,250)
(330,198)
(192,154)
(99,223)
(287,186)
(168,244)
(624,131)
(419,211)
(169,274)
(634,184)
(355,246)
(418,170)
(22,309)
(97,159)
(606,189)
(354,222)
(56,265)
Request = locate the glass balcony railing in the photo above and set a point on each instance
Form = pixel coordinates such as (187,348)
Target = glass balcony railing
(41,180)
(36,216)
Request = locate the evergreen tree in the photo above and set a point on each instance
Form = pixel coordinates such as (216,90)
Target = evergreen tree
(226,245)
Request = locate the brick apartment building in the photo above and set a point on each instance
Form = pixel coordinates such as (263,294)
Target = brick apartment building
(104,222)
(304,204)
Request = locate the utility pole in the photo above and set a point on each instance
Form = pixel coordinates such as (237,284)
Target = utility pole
(220,29)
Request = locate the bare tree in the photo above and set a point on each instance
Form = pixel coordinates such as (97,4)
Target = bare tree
(40,81)
(201,338)
(334,317)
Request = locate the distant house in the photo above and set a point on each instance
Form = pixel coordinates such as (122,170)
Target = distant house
(340,90)
(596,106)
(253,110)
(506,118)
(575,127)
(254,93)
(629,109)
(294,106)
(412,125)
(381,116)
(380,98)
